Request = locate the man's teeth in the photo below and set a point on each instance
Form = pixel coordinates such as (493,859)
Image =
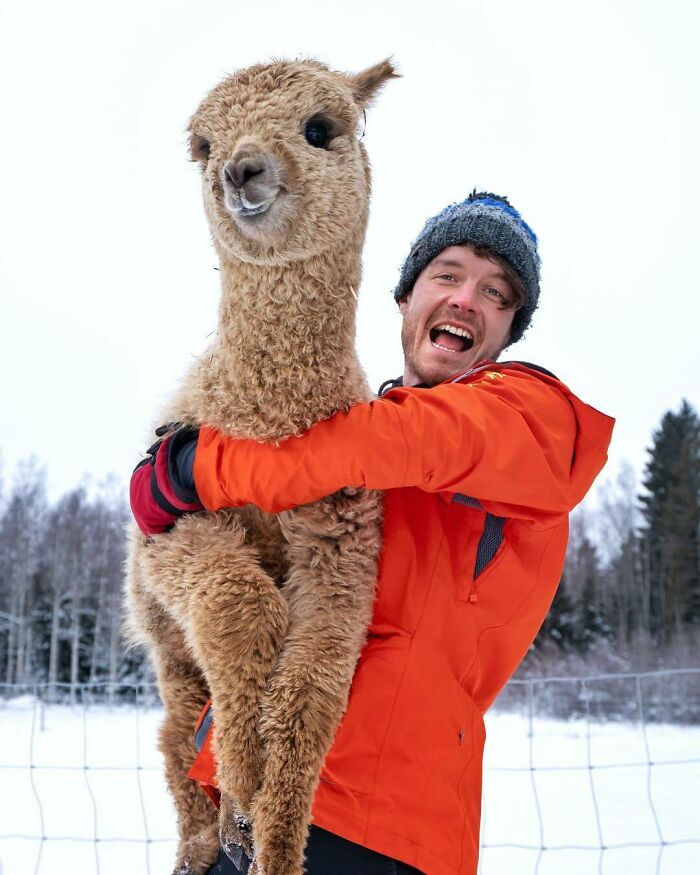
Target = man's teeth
(460,332)
(465,336)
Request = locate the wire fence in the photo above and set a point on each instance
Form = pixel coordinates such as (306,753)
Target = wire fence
(83,789)
(627,722)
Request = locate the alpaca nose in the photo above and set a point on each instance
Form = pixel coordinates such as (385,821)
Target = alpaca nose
(252,179)
(238,172)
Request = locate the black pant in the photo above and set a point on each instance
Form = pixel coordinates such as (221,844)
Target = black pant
(328,854)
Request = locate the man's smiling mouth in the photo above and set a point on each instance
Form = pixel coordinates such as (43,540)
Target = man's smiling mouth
(450,338)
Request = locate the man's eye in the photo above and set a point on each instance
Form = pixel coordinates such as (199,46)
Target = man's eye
(503,299)
(447,276)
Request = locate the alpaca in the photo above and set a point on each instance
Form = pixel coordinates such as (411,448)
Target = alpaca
(266,613)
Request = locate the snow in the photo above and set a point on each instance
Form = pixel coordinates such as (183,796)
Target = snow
(79,774)
(120,798)
(594,786)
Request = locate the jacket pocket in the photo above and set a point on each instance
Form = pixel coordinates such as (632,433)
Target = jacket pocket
(489,546)
(455,758)
(490,543)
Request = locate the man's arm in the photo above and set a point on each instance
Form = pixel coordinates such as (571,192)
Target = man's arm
(507,438)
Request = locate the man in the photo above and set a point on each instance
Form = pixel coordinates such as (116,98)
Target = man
(481,463)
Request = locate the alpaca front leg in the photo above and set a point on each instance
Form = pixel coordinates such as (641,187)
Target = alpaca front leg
(183,692)
(334,548)
(236,619)
(301,711)
(298,730)
(237,636)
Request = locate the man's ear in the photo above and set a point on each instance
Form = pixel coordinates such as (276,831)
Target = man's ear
(403,303)
(367,84)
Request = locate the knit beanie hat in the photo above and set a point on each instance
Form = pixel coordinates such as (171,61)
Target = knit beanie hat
(483,219)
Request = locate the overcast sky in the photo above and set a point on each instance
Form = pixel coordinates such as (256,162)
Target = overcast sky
(584,113)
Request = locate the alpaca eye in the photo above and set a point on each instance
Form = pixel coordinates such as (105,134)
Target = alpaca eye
(200,148)
(317,133)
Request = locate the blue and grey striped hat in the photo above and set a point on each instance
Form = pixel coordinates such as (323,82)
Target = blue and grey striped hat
(483,219)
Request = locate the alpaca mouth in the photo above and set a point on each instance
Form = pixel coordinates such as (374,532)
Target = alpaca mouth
(242,205)
(256,210)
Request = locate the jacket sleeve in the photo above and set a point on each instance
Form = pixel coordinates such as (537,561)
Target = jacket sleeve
(507,440)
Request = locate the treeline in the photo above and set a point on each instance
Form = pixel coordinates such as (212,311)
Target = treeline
(630,594)
(629,597)
(61,572)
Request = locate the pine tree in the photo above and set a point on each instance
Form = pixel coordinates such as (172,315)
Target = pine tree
(589,613)
(671,511)
(560,625)
(576,618)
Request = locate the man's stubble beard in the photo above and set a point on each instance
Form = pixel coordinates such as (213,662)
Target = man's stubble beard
(408,339)
(428,378)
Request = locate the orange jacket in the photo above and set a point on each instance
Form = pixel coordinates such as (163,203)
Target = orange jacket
(481,473)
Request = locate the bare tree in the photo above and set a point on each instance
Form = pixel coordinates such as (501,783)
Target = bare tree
(20,534)
(618,520)
(65,549)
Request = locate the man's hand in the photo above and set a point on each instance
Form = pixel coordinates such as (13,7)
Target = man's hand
(162,486)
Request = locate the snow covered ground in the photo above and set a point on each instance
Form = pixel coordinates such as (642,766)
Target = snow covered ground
(89,780)
(619,802)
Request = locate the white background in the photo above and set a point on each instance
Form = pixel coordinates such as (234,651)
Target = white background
(584,113)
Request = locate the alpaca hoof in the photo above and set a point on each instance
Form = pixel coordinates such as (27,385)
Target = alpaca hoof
(236,855)
(235,843)
(186,868)
(235,831)
(198,854)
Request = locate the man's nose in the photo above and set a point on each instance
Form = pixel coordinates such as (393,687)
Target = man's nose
(465,297)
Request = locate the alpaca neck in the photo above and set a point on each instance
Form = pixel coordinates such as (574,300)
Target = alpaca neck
(284,356)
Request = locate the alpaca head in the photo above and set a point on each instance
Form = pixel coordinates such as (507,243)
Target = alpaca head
(284,174)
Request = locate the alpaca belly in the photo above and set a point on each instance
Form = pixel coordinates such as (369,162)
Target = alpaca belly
(339,539)
(265,532)
(333,549)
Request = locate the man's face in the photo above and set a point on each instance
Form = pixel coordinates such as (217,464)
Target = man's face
(458,312)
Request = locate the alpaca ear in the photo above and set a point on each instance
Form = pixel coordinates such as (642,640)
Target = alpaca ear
(367,84)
